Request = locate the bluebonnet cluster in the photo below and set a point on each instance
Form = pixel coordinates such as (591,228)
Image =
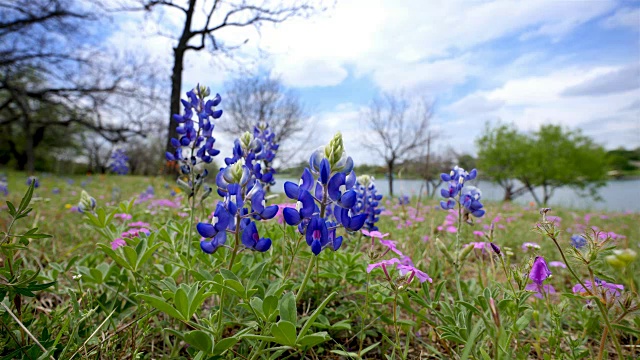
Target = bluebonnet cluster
(263,132)
(119,162)
(333,194)
(4,185)
(468,197)
(368,201)
(33,179)
(403,200)
(242,204)
(195,145)
(254,152)
(196,135)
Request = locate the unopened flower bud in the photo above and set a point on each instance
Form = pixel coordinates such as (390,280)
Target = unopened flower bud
(87,202)
(245,140)
(465,251)
(495,248)
(443,248)
(203,91)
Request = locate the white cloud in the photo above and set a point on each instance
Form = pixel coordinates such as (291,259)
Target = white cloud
(310,73)
(474,104)
(625,17)
(621,80)
(396,44)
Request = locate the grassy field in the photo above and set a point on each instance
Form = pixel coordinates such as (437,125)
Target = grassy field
(126,303)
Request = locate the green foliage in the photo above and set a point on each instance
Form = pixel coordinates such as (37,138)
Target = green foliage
(81,298)
(548,159)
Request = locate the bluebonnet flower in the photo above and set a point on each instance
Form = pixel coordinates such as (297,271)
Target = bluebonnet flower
(243,202)
(368,201)
(4,185)
(216,230)
(35,180)
(252,240)
(578,241)
(468,198)
(195,145)
(331,178)
(258,151)
(404,200)
(119,162)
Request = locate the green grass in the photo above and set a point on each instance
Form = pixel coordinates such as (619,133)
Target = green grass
(104,318)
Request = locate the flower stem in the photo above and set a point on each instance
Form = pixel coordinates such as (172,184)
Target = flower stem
(366,308)
(395,320)
(457,249)
(307,275)
(236,246)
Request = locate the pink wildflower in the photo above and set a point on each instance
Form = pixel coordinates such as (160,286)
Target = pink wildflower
(118,243)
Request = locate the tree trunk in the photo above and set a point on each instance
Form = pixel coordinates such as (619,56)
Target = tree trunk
(28,146)
(176,85)
(176,74)
(390,173)
(508,194)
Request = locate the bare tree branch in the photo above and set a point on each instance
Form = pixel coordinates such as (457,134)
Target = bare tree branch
(399,127)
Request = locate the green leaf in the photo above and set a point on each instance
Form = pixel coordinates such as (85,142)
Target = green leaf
(284,333)
(315,314)
(161,305)
(270,306)
(27,198)
(115,256)
(524,321)
(626,329)
(314,339)
(369,348)
(224,344)
(200,340)
(235,287)
(131,256)
(287,308)
(257,305)
(12,209)
(182,302)
(471,341)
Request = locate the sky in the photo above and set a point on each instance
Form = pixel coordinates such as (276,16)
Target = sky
(571,63)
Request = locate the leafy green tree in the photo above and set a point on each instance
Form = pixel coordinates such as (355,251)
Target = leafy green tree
(551,158)
(502,152)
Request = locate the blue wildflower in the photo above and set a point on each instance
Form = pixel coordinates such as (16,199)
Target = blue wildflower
(4,185)
(325,190)
(119,162)
(578,241)
(33,179)
(368,201)
(252,240)
(468,198)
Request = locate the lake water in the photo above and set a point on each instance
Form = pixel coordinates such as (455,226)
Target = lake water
(618,195)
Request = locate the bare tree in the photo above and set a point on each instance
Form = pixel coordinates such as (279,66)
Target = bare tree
(263,98)
(430,164)
(204,20)
(398,127)
(52,76)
